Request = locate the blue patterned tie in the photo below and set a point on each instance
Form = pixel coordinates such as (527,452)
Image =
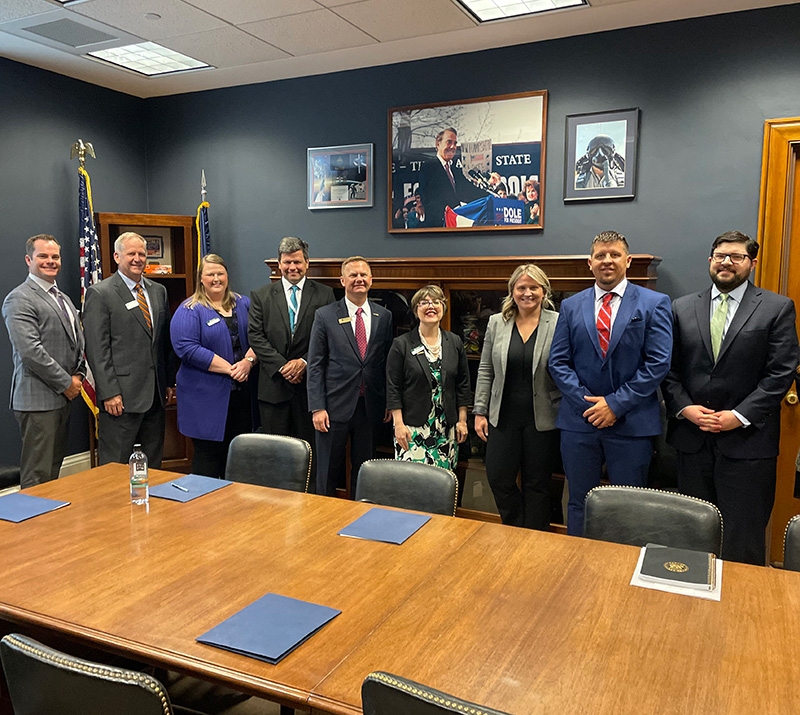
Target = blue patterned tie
(293,307)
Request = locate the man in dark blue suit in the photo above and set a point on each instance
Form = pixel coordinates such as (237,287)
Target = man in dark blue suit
(346,377)
(734,359)
(442,183)
(610,351)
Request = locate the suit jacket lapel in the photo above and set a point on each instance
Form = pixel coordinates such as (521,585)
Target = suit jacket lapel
(545,327)
(308,296)
(750,301)
(591,322)
(702,311)
(341,312)
(622,318)
(42,295)
(421,357)
(504,330)
(126,296)
(373,332)
(283,306)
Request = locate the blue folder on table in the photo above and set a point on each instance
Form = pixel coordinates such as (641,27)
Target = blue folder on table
(187,488)
(392,527)
(18,507)
(269,628)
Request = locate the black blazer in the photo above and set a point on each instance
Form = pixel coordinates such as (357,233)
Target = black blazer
(438,193)
(272,340)
(755,368)
(409,378)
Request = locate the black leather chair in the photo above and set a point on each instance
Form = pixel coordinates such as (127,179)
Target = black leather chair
(269,460)
(408,485)
(387,694)
(44,681)
(791,544)
(637,516)
(9,476)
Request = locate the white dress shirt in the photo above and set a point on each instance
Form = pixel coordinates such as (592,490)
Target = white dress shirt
(618,291)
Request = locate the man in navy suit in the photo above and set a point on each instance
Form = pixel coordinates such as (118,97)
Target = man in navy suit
(346,377)
(734,359)
(610,351)
(442,183)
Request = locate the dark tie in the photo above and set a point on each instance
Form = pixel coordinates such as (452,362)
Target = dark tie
(63,307)
(604,323)
(450,175)
(143,305)
(293,307)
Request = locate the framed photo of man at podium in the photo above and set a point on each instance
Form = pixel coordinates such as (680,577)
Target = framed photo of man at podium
(472,165)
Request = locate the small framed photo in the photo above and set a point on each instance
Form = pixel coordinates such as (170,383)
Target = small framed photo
(340,177)
(155,246)
(600,161)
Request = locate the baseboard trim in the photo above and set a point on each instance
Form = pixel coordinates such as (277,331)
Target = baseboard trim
(75,463)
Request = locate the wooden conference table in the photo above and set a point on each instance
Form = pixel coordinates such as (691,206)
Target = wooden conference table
(520,621)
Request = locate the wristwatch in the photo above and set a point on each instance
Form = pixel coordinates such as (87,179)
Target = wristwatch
(251,360)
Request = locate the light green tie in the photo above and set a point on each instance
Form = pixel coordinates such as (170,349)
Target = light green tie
(718,324)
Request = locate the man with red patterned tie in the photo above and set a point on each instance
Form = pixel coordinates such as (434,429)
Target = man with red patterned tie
(346,377)
(611,348)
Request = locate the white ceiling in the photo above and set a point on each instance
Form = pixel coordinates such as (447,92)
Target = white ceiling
(250,41)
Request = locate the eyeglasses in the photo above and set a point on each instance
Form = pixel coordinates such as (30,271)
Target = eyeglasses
(430,303)
(736,258)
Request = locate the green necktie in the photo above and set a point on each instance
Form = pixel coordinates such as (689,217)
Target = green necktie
(718,324)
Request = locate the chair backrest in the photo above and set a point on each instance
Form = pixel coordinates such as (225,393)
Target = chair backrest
(387,694)
(791,545)
(638,516)
(43,681)
(408,485)
(269,460)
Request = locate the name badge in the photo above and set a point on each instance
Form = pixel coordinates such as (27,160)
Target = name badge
(131,304)
(417,350)
(343,320)
(211,322)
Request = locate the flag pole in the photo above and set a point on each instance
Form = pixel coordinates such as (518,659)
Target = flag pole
(201,222)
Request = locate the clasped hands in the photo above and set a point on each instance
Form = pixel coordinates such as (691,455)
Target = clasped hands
(600,415)
(709,420)
(294,370)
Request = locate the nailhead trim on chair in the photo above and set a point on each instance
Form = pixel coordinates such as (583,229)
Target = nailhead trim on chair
(661,491)
(786,530)
(113,674)
(449,471)
(425,694)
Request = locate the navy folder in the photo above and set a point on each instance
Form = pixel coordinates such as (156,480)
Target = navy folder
(18,507)
(189,487)
(392,527)
(269,628)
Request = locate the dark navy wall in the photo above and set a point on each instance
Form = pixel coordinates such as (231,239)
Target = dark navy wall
(704,87)
(41,115)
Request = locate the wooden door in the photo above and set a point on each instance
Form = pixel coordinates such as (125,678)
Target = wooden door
(778,270)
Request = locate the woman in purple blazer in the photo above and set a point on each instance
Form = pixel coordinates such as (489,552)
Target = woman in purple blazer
(209,334)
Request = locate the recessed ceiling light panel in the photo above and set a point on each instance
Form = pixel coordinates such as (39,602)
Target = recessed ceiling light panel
(149,59)
(486,10)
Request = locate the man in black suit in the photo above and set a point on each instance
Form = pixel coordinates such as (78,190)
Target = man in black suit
(734,358)
(126,323)
(347,377)
(442,183)
(281,315)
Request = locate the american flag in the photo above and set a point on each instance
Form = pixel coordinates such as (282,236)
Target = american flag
(91,270)
(203,231)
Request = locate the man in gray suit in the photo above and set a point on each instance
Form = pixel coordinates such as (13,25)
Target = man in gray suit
(47,344)
(126,320)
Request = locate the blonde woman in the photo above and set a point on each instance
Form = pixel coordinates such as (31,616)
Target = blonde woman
(516,401)
(209,334)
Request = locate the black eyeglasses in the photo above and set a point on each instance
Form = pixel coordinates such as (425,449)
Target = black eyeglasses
(736,258)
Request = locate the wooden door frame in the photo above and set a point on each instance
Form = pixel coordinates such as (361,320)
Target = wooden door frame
(778,171)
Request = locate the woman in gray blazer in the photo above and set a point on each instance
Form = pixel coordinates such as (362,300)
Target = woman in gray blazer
(517,394)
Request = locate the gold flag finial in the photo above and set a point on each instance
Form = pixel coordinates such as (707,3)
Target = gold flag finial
(81,149)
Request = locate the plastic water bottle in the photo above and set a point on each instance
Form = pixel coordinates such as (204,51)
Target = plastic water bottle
(140,480)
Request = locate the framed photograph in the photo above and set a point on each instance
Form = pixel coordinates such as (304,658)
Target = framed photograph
(476,164)
(155,246)
(340,177)
(600,160)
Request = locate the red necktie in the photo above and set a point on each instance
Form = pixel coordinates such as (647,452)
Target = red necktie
(604,323)
(361,333)
(450,175)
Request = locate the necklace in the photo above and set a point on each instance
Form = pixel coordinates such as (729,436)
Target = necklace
(434,349)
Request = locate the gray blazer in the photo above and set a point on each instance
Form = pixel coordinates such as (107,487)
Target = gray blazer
(46,354)
(492,371)
(126,359)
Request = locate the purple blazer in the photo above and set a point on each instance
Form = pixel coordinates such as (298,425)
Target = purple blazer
(203,396)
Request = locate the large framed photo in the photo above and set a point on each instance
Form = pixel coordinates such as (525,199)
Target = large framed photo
(600,158)
(476,164)
(340,176)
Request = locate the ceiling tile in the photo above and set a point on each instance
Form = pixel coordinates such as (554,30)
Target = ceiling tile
(388,20)
(225,47)
(16,9)
(336,3)
(241,11)
(177,18)
(309,33)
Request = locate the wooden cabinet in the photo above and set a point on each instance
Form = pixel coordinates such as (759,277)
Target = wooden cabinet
(171,241)
(475,288)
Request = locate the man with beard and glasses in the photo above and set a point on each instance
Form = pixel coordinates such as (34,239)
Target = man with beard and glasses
(734,357)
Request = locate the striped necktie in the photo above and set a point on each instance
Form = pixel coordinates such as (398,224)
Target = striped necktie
(293,307)
(718,324)
(143,305)
(604,323)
